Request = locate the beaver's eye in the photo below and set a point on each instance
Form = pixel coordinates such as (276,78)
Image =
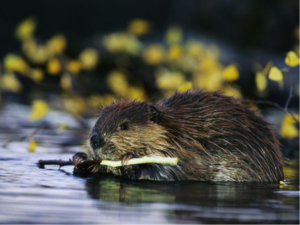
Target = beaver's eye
(124,126)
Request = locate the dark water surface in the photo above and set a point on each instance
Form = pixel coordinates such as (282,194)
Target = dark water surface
(29,194)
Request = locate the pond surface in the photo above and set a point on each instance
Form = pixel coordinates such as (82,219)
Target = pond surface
(30,195)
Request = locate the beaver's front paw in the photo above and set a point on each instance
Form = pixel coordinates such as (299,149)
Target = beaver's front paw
(129,171)
(78,158)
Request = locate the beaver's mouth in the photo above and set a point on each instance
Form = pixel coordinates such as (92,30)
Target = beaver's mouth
(103,154)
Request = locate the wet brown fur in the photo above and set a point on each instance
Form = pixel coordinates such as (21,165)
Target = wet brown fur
(215,137)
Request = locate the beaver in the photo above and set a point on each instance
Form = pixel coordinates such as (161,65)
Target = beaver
(215,137)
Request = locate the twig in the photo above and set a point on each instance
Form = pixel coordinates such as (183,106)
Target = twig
(142,160)
(84,163)
(90,162)
(285,108)
(41,163)
(22,138)
(275,105)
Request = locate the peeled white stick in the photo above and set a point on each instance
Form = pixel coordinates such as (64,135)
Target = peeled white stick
(146,159)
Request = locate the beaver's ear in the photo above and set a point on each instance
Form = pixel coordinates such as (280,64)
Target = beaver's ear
(155,114)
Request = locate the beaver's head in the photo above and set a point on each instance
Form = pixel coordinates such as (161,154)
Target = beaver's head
(127,127)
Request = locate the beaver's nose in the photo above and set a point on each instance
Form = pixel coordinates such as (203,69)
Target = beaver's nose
(96,140)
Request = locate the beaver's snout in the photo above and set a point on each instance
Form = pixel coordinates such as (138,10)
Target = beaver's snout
(96,139)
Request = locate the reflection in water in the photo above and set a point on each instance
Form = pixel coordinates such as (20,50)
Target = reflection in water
(196,201)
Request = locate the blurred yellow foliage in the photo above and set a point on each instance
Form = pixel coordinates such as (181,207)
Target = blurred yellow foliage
(138,27)
(32,145)
(169,80)
(9,82)
(208,81)
(209,73)
(185,86)
(39,110)
(291,59)
(275,74)
(122,42)
(56,45)
(89,58)
(97,101)
(37,75)
(230,73)
(117,82)
(16,63)
(63,126)
(261,81)
(136,93)
(288,128)
(26,28)
(173,35)
(267,68)
(194,48)
(66,82)
(232,91)
(36,53)
(174,52)
(74,105)
(154,54)
(54,66)
(74,66)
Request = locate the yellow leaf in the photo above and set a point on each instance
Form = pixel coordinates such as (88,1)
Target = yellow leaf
(39,110)
(168,80)
(185,86)
(10,83)
(275,74)
(97,101)
(209,80)
(289,131)
(289,119)
(288,128)
(36,53)
(136,93)
(26,28)
(174,52)
(56,45)
(231,73)
(173,35)
(291,59)
(66,82)
(74,66)
(194,48)
(53,66)
(117,82)
(37,75)
(138,27)
(15,63)
(63,126)
(122,42)
(89,58)
(261,81)
(154,54)
(32,145)
(268,67)
(232,91)
(75,105)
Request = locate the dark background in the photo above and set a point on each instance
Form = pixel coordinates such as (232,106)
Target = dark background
(263,24)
